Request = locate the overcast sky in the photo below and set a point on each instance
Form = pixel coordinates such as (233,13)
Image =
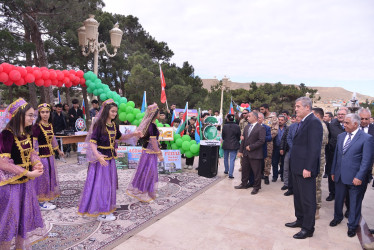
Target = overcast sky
(317,42)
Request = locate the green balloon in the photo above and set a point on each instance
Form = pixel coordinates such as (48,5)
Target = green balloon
(186,138)
(174,146)
(122,107)
(186,145)
(122,116)
(159,125)
(117,104)
(129,109)
(179,142)
(193,142)
(188,154)
(100,91)
(103,97)
(194,148)
(86,75)
(123,100)
(88,83)
(136,111)
(90,90)
(130,117)
(136,122)
(182,150)
(131,104)
(138,116)
(97,81)
(95,92)
(177,136)
(166,125)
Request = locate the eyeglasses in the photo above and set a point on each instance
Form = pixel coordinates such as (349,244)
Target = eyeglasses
(245,113)
(31,116)
(365,118)
(341,114)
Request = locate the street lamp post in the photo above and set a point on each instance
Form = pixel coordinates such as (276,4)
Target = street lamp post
(88,40)
(225,83)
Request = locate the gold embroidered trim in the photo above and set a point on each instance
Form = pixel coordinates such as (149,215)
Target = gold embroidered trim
(93,141)
(43,198)
(95,215)
(25,158)
(47,138)
(148,151)
(136,197)
(15,178)
(105,147)
(5,155)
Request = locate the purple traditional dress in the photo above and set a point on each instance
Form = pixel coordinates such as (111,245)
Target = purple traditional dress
(99,193)
(143,186)
(20,216)
(45,143)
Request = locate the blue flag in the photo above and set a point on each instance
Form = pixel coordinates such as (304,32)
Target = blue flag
(144,104)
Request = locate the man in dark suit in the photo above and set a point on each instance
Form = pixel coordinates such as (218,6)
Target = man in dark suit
(351,165)
(335,128)
(305,162)
(251,149)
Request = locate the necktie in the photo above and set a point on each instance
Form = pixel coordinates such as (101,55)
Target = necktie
(250,129)
(347,143)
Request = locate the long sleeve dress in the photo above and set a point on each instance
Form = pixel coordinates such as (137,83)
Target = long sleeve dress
(143,186)
(44,142)
(20,216)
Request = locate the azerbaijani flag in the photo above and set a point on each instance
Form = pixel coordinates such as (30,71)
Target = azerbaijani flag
(197,131)
(172,118)
(144,104)
(231,111)
(182,125)
(59,96)
(163,85)
(84,110)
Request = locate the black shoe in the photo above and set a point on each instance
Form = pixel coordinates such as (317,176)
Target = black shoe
(294,224)
(231,177)
(331,197)
(371,231)
(303,234)
(196,168)
(254,191)
(334,223)
(351,232)
(281,179)
(249,185)
(288,193)
(226,172)
(263,177)
(266,180)
(346,214)
(325,175)
(284,187)
(241,186)
(274,180)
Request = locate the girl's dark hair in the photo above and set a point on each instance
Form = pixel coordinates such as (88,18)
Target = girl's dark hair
(63,106)
(18,121)
(104,116)
(144,140)
(40,118)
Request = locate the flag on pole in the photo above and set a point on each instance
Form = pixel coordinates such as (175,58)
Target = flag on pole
(197,131)
(182,125)
(172,119)
(59,96)
(84,110)
(163,85)
(144,104)
(231,111)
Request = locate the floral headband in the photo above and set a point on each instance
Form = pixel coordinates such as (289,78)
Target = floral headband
(16,106)
(44,106)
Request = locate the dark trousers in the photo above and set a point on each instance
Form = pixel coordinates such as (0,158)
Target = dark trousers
(251,166)
(277,159)
(305,202)
(189,161)
(356,195)
(329,159)
(290,181)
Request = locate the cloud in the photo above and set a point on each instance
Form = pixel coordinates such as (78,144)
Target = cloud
(318,42)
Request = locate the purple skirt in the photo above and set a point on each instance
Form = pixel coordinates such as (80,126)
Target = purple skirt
(143,185)
(20,216)
(47,185)
(99,193)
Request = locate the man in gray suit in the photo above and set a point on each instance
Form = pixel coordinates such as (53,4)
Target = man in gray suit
(251,149)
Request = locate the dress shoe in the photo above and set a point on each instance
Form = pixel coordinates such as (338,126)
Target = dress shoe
(282,179)
(335,222)
(369,246)
(325,175)
(274,180)
(371,231)
(226,172)
(294,224)
(351,232)
(249,185)
(288,193)
(241,186)
(331,197)
(303,234)
(266,180)
(284,187)
(346,214)
(231,177)
(263,177)
(254,191)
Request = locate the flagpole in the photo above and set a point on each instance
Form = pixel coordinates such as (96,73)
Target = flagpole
(167,107)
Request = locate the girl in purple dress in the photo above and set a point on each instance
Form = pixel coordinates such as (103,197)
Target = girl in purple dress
(45,143)
(20,216)
(99,194)
(143,186)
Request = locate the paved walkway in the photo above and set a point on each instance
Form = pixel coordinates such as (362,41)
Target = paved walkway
(225,218)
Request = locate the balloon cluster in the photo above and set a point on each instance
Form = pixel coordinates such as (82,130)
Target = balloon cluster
(126,110)
(244,105)
(43,76)
(187,146)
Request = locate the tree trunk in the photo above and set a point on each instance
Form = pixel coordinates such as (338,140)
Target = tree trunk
(32,88)
(87,107)
(67,94)
(11,93)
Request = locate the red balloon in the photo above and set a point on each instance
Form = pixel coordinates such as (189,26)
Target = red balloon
(29,78)
(60,84)
(8,83)
(66,80)
(1,68)
(47,83)
(52,74)
(83,85)
(20,82)
(37,73)
(79,73)
(39,82)
(68,85)
(72,71)
(14,75)
(22,70)
(4,77)
(45,74)
(60,75)
(29,69)
(82,81)
(71,77)
(43,68)
(66,73)
(54,82)
(7,68)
